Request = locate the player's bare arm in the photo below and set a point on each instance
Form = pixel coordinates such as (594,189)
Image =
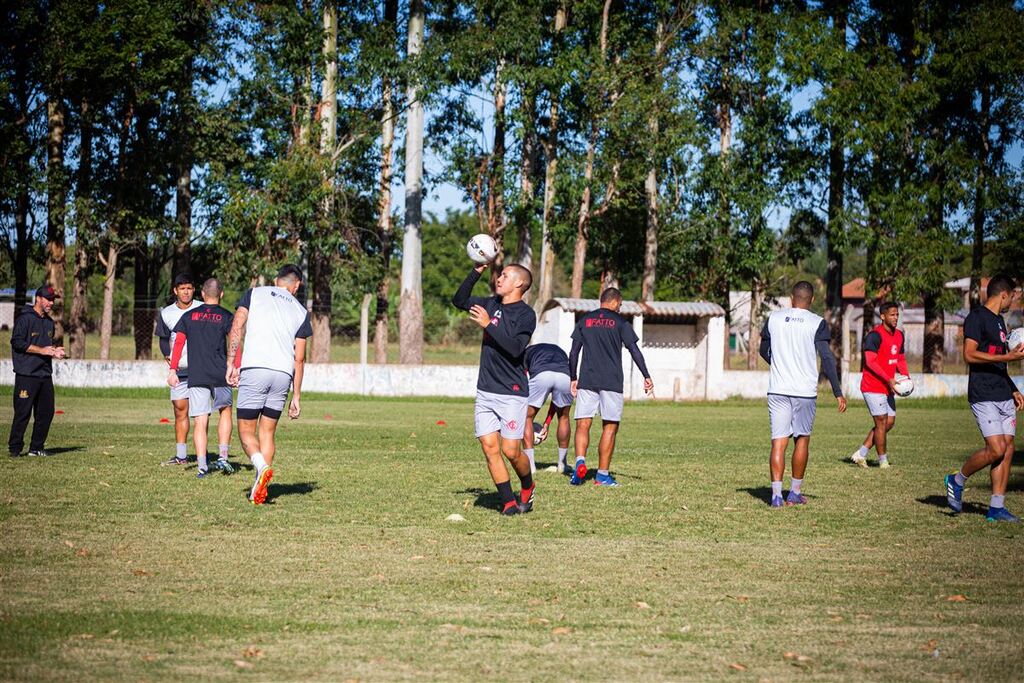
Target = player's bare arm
(300,363)
(234,344)
(975,356)
(52,351)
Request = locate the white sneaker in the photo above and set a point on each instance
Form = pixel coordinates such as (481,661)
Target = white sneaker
(884,464)
(859,459)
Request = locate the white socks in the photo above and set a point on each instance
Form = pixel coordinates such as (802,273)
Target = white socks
(258,462)
(529,454)
(180,451)
(864,451)
(777,489)
(794,484)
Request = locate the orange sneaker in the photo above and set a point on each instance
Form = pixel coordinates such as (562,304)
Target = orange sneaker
(258,495)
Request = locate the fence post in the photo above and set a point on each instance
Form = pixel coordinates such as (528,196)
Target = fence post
(364,335)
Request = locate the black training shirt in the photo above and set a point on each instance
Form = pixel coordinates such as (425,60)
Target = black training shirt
(206,329)
(31,328)
(988,381)
(602,333)
(503,350)
(546,358)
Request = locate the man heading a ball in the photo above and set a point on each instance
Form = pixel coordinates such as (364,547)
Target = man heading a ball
(884,354)
(993,396)
(503,387)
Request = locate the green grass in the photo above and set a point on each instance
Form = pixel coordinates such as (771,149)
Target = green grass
(122,347)
(114,568)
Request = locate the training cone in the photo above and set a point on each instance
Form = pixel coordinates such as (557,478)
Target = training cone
(164,421)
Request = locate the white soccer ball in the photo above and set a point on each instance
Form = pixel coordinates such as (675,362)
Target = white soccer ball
(482,248)
(1016,338)
(904,385)
(537,438)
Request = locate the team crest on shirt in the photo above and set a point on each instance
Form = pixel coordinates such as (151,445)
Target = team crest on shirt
(23,394)
(893,351)
(496,318)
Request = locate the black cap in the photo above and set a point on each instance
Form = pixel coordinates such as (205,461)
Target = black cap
(48,292)
(183,279)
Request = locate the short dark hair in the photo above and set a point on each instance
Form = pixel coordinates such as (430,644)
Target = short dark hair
(999,284)
(803,290)
(183,279)
(887,305)
(524,273)
(212,287)
(289,271)
(611,294)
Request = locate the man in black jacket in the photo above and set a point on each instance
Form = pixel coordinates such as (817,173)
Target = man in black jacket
(33,352)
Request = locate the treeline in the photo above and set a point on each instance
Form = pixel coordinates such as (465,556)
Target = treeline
(601,142)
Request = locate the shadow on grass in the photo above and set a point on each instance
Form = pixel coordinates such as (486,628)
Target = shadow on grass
(764,493)
(940,502)
(297,489)
(485,498)
(64,449)
(849,461)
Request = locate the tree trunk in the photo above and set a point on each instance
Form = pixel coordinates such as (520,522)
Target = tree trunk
(56,200)
(547,252)
(322,260)
(410,307)
(648,280)
(182,262)
(754,334)
(978,248)
(22,202)
(107,321)
(496,174)
(934,337)
(83,235)
(725,223)
(835,228)
(524,212)
(384,232)
(143,307)
(609,277)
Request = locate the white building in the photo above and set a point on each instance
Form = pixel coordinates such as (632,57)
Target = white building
(683,342)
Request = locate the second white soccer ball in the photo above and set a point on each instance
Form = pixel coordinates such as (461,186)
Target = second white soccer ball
(1016,338)
(904,386)
(482,248)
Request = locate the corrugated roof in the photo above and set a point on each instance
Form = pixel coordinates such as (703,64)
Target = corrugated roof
(649,309)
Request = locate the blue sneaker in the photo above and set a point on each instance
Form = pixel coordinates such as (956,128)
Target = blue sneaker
(1001,515)
(202,473)
(579,473)
(794,498)
(605,480)
(954,493)
(776,501)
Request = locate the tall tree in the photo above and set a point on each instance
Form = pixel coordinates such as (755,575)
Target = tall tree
(410,310)
(387,140)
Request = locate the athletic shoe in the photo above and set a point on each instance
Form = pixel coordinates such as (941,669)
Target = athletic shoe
(794,498)
(202,474)
(174,461)
(526,505)
(258,494)
(1001,515)
(223,466)
(41,453)
(605,480)
(954,493)
(579,473)
(859,460)
(510,509)
(884,464)
(776,501)
(16,455)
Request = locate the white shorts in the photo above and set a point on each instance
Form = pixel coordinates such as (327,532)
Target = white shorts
(880,404)
(180,392)
(995,417)
(553,384)
(204,400)
(608,403)
(499,413)
(262,392)
(791,415)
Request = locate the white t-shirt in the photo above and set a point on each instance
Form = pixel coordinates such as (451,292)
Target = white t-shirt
(794,365)
(168,319)
(275,320)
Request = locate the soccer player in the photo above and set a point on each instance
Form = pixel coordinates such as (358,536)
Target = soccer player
(884,355)
(993,396)
(601,336)
(184,293)
(276,327)
(548,366)
(206,328)
(790,340)
(502,388)
(33,351)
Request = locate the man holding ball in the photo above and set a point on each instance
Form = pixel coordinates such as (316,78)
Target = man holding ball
(503,387)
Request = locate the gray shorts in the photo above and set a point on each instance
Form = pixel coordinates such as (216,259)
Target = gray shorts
(791,415)
(499,413)
(180,392)
(554,384)
(204,400)
(880,404)
(262,392)
(608,403)
(995,417)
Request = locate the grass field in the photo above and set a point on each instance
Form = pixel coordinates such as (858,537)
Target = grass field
(114,568)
